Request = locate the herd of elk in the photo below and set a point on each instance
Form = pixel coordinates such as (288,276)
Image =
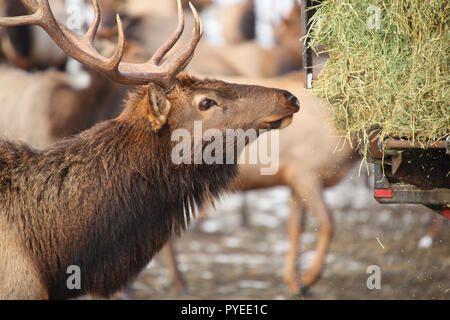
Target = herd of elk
(109,198)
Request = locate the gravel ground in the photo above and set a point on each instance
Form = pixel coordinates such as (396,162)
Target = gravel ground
(222,260)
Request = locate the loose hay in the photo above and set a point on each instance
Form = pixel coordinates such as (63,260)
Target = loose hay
(394,77)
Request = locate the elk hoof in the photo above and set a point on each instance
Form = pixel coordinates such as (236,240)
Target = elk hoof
(302,291)
(184,292)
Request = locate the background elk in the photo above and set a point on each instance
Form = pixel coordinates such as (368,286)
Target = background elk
(29,47)
(108,199)
(307,166)
(249,58)
(63,108)
(161,8)
(237,21)
(319,160)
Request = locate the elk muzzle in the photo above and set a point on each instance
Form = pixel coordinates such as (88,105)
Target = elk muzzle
(285,112)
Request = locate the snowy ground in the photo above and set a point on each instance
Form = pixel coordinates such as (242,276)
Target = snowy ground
(221,260)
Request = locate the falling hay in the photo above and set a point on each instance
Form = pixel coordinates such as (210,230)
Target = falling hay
(387,67)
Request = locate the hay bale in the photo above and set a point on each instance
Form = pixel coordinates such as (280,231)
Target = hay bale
(394,77)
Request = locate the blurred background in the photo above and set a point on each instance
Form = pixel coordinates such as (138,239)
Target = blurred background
(315,224)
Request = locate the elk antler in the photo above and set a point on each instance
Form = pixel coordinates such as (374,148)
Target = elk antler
(81,47)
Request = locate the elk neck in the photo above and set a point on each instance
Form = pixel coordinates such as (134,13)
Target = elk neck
(105,200)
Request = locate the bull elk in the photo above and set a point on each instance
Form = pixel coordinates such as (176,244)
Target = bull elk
(107,199)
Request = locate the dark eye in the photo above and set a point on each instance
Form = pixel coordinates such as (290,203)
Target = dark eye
(205,104)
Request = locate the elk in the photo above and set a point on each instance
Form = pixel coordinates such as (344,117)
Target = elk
(249,59)
(307,166)
(237,21)
(107,199)
(41,122)
(28,47)
(162,8)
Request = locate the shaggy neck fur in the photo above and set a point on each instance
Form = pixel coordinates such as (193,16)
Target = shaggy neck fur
(105,200)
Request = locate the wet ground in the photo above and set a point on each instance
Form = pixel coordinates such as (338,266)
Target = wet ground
(222,260)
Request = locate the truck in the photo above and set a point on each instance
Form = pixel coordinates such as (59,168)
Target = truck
(405,171)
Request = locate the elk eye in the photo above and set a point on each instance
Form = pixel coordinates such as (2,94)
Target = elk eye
(205,104)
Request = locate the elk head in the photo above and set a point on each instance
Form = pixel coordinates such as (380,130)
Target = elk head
(166,98)
(287,36)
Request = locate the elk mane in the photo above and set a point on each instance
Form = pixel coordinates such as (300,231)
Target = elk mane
(114,181)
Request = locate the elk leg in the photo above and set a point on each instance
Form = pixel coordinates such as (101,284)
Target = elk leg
(311,194)
(436,227)
(245,212)
(295,226)
(175,277)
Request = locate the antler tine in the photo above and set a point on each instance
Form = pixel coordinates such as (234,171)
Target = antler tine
(34,18)
(81,47)
(182,58)
(116,58)
(161,52)
(20,20)
(92,31)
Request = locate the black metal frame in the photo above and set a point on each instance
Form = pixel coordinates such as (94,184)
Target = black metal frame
(436,199)
(308,12)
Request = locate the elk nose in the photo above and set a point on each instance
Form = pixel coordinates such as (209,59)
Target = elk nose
(291,98)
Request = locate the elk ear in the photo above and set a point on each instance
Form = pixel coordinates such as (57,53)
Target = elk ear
(158,107)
